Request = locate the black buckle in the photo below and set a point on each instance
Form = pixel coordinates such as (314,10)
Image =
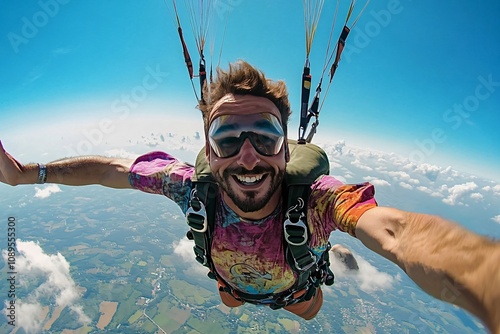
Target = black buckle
(295,233)
(307,261)
(200,255)
(294,227)
(197,218)
(282,301)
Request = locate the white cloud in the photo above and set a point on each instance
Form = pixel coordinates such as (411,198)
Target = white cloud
(52,271)
(368,277)
(376,181)
(476,196)
(47,191)
(357,163)
(335,165)
(495,189)
(458,191)
(414,181)
(401,176)
(425,189)
(379,182)
(496,219)
(429,191)
(184,248)
(431,172)
(33,323)
(406,185)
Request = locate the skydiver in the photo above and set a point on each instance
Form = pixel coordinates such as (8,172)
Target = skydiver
(245,122)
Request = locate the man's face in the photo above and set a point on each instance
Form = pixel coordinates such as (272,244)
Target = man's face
(247,152)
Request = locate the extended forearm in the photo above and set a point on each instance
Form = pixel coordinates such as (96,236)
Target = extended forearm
(82,171)
(452,264)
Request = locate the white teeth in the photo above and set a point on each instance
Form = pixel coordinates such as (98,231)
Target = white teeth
(249,179)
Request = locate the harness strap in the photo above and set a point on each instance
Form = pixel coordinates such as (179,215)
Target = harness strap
(274,301)
(201,221)
(311,270)
(296,234)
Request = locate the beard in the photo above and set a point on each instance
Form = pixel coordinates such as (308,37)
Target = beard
(249,200)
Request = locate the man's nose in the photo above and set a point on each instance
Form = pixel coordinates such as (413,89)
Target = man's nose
(248,156)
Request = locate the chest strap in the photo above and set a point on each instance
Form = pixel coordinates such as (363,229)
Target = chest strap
(201,222)
(311,272)
(274,301)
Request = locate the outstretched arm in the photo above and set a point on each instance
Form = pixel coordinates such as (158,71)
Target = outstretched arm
(77,171)
(444,259)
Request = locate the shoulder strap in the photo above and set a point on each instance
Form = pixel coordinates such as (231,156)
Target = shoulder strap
(201,217)
(307,163)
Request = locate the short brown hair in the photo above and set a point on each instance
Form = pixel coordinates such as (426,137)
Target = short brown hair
(244,79)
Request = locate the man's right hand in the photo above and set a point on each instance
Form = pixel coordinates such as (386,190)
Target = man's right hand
(13,172)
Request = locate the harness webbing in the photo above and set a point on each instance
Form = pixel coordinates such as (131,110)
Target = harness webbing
(311,271)
(306,91)
(203,77)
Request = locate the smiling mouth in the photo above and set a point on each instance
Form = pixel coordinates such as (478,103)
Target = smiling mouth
(247,180)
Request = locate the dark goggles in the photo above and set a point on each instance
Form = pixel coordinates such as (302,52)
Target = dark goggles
(228,133)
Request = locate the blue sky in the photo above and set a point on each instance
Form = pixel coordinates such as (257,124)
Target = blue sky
(420,78)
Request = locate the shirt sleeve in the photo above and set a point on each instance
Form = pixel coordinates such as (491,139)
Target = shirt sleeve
(335,205)
(161,173)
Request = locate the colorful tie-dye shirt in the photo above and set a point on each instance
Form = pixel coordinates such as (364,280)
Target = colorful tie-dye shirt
(249,255)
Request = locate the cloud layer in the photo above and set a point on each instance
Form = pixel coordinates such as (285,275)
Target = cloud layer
(57,285)
(417,187)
